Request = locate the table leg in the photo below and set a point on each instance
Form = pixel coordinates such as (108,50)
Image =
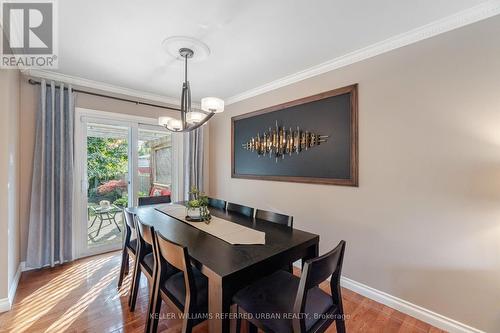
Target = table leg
(218,306)
(93,221)
(100,225)
(312,252)
(116,223)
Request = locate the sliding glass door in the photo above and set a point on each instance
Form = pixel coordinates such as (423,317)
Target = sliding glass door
(108,183)
(117,161)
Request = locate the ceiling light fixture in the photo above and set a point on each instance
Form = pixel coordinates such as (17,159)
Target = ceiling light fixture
(190,119)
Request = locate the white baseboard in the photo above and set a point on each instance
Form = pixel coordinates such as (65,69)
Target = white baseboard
(428,316)
(24,268)
(425,315)
(6,303)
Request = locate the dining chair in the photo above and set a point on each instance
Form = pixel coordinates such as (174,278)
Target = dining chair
(187,290)
(129,246)
(278,219)
(244,210)
(311,309)
(274,217)
(154,200)
(216,203)
(145,260)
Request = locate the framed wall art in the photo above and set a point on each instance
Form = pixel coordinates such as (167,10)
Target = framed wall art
(309,140)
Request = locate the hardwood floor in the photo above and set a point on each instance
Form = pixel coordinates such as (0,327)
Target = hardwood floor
(83,297)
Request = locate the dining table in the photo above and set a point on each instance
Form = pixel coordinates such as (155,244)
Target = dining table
(229,267)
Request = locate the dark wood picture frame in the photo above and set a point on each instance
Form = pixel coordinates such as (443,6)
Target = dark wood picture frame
(353,180)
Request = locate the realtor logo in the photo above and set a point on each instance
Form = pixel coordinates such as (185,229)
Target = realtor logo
(29,33)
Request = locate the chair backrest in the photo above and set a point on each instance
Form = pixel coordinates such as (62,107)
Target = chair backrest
(129,219)
(314,272)
(274,217)
(217,203)
(154,200)
(176,255)
(129,226)
(244,210)
(145,233)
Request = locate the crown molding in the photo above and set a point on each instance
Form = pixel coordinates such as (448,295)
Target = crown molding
(106,87)
(474,14)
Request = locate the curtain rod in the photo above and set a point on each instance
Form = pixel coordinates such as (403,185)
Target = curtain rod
(31,81)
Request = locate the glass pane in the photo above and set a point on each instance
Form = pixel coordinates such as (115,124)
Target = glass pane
(108,178)
(155,163)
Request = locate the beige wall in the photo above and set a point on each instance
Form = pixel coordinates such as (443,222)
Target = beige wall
(9,178)
(424,224)
(29,105)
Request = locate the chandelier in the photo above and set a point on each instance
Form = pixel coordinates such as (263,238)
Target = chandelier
(191,119)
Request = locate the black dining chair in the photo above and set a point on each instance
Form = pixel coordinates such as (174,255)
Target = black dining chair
(154,200)
(216,203)
(240,209)
(274,217)
(283,293)
(145,261)
(278,219)
(187,290)
(129,248)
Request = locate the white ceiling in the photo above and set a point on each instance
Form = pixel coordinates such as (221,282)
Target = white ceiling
(252,42)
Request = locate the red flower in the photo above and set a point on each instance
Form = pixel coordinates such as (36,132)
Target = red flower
(111,186)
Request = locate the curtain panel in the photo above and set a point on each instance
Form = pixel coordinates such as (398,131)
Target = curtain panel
(193,161)
(51,210)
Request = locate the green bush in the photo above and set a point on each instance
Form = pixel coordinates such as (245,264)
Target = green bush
(122,202)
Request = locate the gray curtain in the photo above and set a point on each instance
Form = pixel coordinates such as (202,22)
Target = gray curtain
(193,161)
(51,213)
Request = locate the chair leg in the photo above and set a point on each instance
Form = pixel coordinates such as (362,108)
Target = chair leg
(340,325)
(132,283)
(155,307)
(252,328)
(127,266)
(187,326)
(236,310)
(124,267)
(238,325)
(154,304)
(134,287)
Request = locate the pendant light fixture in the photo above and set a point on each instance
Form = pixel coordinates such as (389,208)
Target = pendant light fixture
(191,119)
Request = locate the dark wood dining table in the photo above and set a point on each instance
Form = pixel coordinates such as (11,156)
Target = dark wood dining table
(231,267)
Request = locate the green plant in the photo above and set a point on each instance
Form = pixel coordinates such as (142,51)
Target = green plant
(107,159)
(122,202)
(199,200)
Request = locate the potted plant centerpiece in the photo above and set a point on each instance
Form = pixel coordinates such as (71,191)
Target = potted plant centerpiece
(197,207)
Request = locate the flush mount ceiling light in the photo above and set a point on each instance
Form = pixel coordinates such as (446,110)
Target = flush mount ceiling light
(190,119)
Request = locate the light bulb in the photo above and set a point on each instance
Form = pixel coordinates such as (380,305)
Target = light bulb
(212,104)
(163,121)
(174,125)
(194,117)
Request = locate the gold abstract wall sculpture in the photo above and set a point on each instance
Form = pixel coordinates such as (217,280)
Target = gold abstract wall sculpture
(280,141)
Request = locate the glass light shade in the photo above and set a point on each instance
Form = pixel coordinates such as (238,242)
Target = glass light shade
(194,117)
(163,121)
(174,125)
(212,104)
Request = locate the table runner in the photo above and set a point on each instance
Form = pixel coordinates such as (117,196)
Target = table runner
(228,231)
